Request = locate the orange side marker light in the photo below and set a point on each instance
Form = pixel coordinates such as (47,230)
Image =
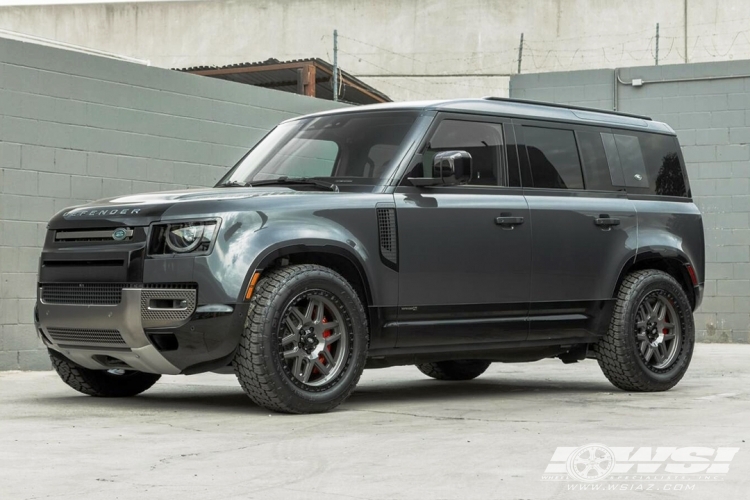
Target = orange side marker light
(251,286)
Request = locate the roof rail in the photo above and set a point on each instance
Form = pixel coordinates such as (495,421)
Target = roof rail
(566,106)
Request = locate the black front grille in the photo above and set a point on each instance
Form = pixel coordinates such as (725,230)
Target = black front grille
(86,336)
(98,294)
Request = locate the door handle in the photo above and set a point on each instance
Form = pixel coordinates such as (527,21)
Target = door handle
(508,221)
(605,220)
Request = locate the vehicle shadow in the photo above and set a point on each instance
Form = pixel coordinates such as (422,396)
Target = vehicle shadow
(429,391)
(230,400)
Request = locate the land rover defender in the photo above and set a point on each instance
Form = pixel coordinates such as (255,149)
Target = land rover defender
(446,235)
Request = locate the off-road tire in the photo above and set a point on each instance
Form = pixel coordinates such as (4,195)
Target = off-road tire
(258,364)
(100,383)
(465,369)
(618,353)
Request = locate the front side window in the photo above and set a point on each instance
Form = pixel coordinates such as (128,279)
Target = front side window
(553,157)
(359,147)
(483,141)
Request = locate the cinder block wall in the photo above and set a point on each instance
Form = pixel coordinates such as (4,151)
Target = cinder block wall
(75,128)
(708,104)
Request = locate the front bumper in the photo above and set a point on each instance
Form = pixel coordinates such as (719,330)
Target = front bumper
(119,335)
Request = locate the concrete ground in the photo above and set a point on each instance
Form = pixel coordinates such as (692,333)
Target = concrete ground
(401,435)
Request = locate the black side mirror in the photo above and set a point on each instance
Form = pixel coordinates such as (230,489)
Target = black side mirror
(454,167)
(449,168)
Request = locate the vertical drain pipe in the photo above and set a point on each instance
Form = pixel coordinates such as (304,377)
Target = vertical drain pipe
(615,98)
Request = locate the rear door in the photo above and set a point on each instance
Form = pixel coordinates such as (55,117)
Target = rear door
(584,228)
(464,251)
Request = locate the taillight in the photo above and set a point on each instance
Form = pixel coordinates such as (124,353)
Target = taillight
(692,274)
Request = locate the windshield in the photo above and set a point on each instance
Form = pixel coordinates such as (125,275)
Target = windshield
(359,147)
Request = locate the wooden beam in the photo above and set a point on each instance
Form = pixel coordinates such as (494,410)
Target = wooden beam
(309,80)
(348,81)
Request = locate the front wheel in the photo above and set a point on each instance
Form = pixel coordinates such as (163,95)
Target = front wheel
(651,336)
(305,340)
(101,383)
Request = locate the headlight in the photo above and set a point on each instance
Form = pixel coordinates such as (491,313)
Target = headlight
(194,238)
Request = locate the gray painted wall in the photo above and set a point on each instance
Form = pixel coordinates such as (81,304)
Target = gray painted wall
(712,120)
(75,128)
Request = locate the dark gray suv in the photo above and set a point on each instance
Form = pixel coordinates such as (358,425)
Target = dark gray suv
(448,235)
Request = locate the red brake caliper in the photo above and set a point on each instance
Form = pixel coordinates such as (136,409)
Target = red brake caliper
(321,358)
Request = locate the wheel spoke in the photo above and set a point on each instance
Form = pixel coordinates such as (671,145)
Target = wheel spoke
(324,369)
(662,311)
(641,336)
(294,337)
(328,357)
(310,310)
(333,337)
(330,325)
(293,328)
(644,346)
(299,316)
(293,353)
(648,308)
(297,368)
(662,348)
(669,336)
(648,354)
(641,325)
(308,370)
(658,354)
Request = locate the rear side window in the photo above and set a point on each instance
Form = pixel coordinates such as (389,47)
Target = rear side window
(594,159)
(553,157)
(650,162)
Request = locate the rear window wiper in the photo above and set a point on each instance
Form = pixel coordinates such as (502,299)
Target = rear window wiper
(296,180)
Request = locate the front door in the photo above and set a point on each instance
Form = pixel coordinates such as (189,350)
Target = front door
(464,251)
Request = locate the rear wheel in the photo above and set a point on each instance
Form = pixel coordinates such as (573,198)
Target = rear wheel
(651,336)
(305,340)
(466,369)
(101,383)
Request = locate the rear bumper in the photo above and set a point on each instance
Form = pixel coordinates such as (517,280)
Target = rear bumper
(698,292)
(122,335)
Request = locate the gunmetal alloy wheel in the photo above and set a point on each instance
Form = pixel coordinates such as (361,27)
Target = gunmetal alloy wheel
(658,331)
(314,341)
(305,340)
(651,335)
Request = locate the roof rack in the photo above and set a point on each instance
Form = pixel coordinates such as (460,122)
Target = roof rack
(566,106)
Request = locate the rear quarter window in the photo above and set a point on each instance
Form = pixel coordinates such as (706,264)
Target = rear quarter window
(650,162)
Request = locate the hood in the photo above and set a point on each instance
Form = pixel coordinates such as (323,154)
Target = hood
(143,209)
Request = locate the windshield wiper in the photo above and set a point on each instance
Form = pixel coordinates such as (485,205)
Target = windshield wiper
(295,180)
(232,184)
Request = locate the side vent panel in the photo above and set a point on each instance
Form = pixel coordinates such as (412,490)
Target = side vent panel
(388,237)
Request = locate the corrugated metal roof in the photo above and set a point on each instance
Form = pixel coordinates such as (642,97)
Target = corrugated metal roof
(283,75)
